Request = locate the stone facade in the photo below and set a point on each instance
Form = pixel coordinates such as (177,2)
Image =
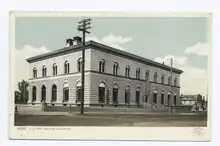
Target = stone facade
(142,88)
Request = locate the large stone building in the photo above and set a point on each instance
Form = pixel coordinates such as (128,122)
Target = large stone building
(112,77)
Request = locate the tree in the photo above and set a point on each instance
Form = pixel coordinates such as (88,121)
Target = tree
(203,103)
(17,96)
(198,101)
(199,98)
(23,92)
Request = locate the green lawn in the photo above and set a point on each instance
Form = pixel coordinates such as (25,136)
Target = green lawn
(111,120)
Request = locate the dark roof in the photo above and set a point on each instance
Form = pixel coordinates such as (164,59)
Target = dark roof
(103,48)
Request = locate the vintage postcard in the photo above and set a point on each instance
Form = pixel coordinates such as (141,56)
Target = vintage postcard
(110,76)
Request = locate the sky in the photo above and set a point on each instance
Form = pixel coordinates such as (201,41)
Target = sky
(185,39)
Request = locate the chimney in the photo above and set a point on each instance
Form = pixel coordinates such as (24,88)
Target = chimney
(77,40)
(69,42)
(163,63)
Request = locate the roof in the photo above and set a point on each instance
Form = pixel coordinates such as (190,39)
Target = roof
(103,48)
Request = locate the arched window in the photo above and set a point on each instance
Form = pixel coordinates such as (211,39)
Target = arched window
(66,67)
(138,73)
(34,94)
(127,71)
(115,94)
(127,95)
(35,73)
(162,79)
(54,93)
(115,68)
(101,93)
(79,64)
(155,77)
(54,69)
(78,92)
(43,93)
(155,97)
(44,71)
(102,65)
(169,80)
(65,93)
(169,99)
(147,75)
(175,82)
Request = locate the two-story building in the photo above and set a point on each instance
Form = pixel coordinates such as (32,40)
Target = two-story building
(112,77)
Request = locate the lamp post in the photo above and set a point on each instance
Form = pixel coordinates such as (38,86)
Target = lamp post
(83,26)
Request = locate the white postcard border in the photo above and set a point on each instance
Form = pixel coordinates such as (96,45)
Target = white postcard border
(104,133)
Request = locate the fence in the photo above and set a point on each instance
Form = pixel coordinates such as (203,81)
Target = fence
(75,108)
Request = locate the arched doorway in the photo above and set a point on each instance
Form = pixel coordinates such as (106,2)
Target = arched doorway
(137,97)
(34,94)
(115,95)
(155,97)
(127,95)
(43,93)
(101,93)
(65,92)
(54,93)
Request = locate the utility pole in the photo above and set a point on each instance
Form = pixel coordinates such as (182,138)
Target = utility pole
(83,26)
(24,91)
(171,81)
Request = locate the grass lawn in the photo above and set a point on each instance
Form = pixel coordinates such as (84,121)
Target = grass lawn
(111,120)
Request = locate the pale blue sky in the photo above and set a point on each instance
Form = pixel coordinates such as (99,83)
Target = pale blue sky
(151,37)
